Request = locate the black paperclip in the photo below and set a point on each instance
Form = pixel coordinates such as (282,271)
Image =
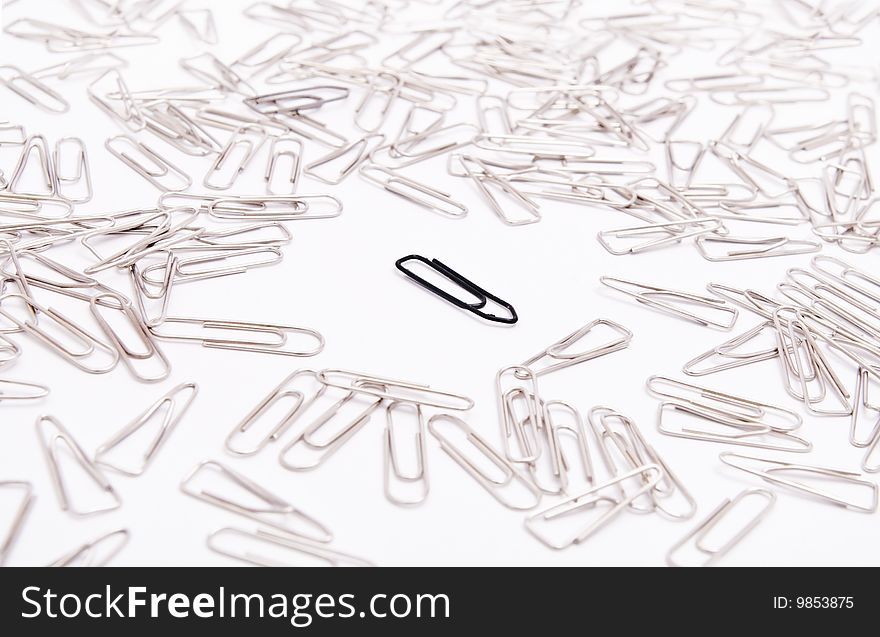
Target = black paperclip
(469,286)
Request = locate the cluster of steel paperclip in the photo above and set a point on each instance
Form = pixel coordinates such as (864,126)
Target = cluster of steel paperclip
(557,117)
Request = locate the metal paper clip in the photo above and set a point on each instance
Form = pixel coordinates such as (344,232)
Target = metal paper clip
(404,488)
(301,398)
(219,261)
(590,501)
(272,510)
(558,356)
(268,52)
(413,191)
(153,171)
(21,390)
(47,169)
(488,177)
(732,430)
(497,482)
(558,430)
(87,343)
(239,139)
(483,297)
(82,175)
(673,302)
(308,443)
(122,106)
(739,248)
(174,408)
(775,467)
(33,90)
(274,336)
(208,68)
(285,544)
(751,412)
(699,533)
(396,390)
(11,535)
(860,405)
(88,553)
(360,149)
(207,31)
(513,426)
(274,208)
(50,447)
(660,234)
(277,153)
(145,350)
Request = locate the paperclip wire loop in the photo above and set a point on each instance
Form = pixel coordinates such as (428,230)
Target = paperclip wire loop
(483,296)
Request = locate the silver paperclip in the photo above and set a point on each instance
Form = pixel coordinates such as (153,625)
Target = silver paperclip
(772,468)
(729,429)
(359,150)
(591,500)
(174,407)
(513,426)
(131,355)
(50,447)
(239,139)
(413,191)
(285,544)
(33,90)
(699,533)
(284,390)
(558,356)
(88,555)
(398,390)
(88,344)
(271,510)
(277,153)
(82,175)
(160,167)
(396,480)
(308,444)
(734,407)
(506,475)
(664,300)
(269,338)
(860,405)
(7,540)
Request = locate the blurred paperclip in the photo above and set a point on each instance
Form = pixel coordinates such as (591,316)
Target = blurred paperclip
(261,541)
(90,554)
(709,553)
(239,495)
(8,538)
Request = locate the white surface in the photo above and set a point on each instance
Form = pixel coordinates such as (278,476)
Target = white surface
(338,276)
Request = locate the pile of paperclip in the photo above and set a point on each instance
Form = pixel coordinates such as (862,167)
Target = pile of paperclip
(558,115)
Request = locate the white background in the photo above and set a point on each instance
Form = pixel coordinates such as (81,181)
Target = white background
(338,276)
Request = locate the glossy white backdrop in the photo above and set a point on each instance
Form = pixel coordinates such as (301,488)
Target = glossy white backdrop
(338,276)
